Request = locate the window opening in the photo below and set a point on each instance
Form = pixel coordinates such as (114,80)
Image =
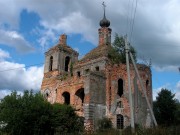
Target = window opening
(120,104)
(147,83)
(67,60)
(87,71)
(51,63)
(97,68)
(79,74)
(66,96)
(80,94)
(120,87)
(120,121)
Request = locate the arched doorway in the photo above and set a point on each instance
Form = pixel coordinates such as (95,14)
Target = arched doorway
(120,121)
(66,96)
(67,60)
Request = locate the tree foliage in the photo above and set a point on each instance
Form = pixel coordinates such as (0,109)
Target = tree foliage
(165,108)
(117,53)
(32,114)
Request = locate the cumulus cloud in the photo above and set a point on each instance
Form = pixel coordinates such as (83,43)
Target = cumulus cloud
(14,39)
(155,30)
(15,76)
(156,26)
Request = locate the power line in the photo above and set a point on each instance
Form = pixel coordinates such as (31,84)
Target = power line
(133,21)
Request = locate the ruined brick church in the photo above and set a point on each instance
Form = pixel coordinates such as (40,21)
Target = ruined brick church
(94,86)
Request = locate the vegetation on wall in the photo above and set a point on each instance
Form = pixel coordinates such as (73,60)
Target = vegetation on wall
(30,113)
(117,53)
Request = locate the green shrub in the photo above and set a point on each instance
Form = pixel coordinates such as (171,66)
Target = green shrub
(104,123)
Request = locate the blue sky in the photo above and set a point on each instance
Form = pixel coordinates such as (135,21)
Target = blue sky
(28,28)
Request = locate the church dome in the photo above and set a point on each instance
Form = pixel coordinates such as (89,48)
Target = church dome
(104,22)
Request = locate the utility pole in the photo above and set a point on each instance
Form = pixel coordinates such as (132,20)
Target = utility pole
(129,85)
(142,87)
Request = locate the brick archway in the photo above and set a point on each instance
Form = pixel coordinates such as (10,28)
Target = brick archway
(66,96)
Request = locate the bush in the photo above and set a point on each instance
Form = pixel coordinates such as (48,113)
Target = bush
(31,114)
(104,123)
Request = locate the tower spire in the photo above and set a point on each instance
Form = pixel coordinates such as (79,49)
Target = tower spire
(104,31)
(104,22)
(104,8)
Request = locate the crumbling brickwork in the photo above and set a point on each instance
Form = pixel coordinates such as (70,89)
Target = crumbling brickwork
(94,86)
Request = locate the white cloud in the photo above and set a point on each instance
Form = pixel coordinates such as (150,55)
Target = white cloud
(4,54)
(10,13)
(166,68)
(4,93)
(155,30)
(15,76)
(14,39)
(156,26)
(75,22)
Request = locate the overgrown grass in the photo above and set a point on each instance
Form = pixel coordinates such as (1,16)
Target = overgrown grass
(173,130)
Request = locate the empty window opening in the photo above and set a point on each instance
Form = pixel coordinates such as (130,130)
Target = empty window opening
(87,71)
(120,121)
(51,63)
(66,96)
(147,83)
(79,74)
(80,95)
(120,104)
(120,87)
(67,60)
(97,68)
(47,95)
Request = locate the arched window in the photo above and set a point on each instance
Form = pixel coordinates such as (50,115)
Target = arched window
(66,96)
(67,60)
(120,121)
(51,63)
(80,95)
(79,74)
(147,83)
(120,87)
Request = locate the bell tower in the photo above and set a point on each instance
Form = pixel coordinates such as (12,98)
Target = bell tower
(59,58)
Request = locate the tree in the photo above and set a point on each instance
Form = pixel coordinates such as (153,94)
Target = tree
(177,113)
(117,53)
(64,119)
(165,107)
(31,114)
